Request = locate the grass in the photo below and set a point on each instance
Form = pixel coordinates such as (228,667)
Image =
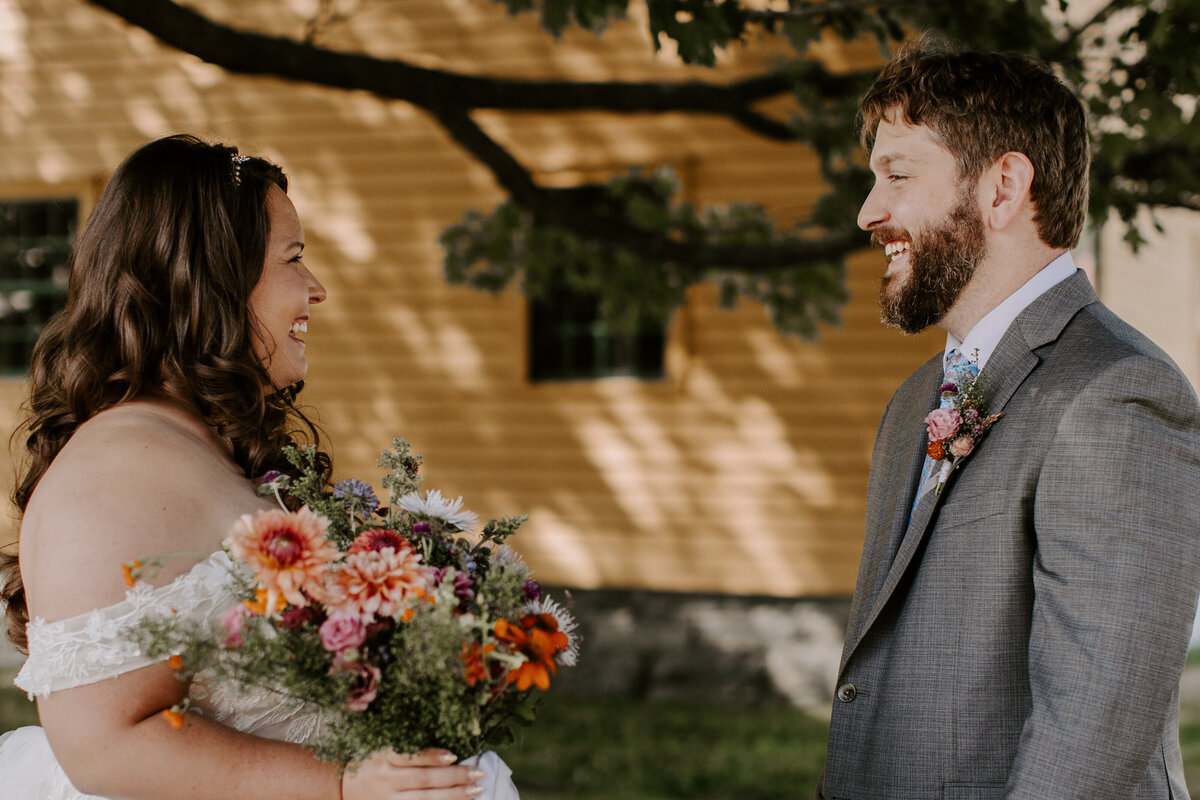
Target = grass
(618,749)
(590,748)
(15,709)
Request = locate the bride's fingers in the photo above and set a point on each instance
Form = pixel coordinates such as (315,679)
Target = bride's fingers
(410,778)
(432,757)
(457,793)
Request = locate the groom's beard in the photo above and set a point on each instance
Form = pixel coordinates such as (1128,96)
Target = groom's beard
(941,264)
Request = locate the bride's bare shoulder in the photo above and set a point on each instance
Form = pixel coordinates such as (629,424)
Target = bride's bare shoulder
(146,422)
(136,479)
(126,450)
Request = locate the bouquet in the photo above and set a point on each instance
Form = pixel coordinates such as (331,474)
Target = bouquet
(399,626)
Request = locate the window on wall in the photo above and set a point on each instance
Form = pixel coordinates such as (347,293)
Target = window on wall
(35,244)
(568,341)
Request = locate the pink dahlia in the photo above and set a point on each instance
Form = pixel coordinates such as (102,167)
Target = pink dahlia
(378,582)
(287,550)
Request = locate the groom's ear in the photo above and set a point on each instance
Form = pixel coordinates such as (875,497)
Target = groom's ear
(1006,187)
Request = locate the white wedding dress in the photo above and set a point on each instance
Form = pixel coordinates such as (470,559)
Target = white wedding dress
(90,648)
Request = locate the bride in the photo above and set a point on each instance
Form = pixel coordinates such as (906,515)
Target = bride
(165,385)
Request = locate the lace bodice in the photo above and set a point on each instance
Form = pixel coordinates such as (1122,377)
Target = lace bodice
(90,647)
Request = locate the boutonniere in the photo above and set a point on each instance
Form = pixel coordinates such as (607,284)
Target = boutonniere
(955,430)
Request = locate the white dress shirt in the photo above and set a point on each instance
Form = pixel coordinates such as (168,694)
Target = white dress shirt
(983,338)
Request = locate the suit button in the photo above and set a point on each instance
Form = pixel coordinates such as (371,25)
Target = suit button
(846,693)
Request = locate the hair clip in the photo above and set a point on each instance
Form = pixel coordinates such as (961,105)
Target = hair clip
(237,167)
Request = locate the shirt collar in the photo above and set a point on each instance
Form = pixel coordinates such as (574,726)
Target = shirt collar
(983,338)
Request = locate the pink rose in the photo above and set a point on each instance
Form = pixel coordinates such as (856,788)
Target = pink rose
(342,631)
(232,620)
(943,423)
(962,446)
(366,683)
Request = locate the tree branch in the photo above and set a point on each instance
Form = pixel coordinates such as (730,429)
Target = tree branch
(825,8)
(450,97)
(564,209)
(250,53)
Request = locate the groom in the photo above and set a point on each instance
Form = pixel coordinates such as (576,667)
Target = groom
(1023,608)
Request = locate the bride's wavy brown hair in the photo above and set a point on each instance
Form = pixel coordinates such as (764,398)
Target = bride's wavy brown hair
(158,306)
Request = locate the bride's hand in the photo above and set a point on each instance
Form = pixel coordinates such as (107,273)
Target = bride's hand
(427,775)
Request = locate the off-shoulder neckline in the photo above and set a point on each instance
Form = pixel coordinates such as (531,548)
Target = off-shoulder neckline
(141,590)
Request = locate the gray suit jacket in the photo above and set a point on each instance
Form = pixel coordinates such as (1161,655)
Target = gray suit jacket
(1023,636)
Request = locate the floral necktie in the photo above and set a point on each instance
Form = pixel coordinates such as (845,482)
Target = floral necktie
(958,371)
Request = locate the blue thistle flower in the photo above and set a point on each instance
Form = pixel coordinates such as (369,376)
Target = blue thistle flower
(356,494)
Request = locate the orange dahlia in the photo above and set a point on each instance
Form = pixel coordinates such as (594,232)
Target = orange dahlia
(537,638)
(287,550)
(378,582)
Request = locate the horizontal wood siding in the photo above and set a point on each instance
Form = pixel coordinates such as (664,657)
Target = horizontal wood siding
(742,471)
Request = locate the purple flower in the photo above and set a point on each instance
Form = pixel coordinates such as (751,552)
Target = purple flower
(357,495)
(421,527)
(949,387)
(464,590)
(533,590)
(272,483)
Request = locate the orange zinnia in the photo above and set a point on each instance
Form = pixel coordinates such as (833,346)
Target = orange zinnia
(287,550)
(473,655)
(538,638)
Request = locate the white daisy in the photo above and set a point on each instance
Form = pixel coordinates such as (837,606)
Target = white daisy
(505,556)
(566,624)
(445,509)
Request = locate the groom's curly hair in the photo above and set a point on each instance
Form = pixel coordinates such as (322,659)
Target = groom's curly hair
(158,306)
(983,105)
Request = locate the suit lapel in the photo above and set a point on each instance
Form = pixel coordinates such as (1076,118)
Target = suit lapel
(894,475)
(1007,368)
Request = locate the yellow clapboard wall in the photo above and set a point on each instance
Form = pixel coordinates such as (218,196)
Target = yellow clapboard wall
(743,471)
